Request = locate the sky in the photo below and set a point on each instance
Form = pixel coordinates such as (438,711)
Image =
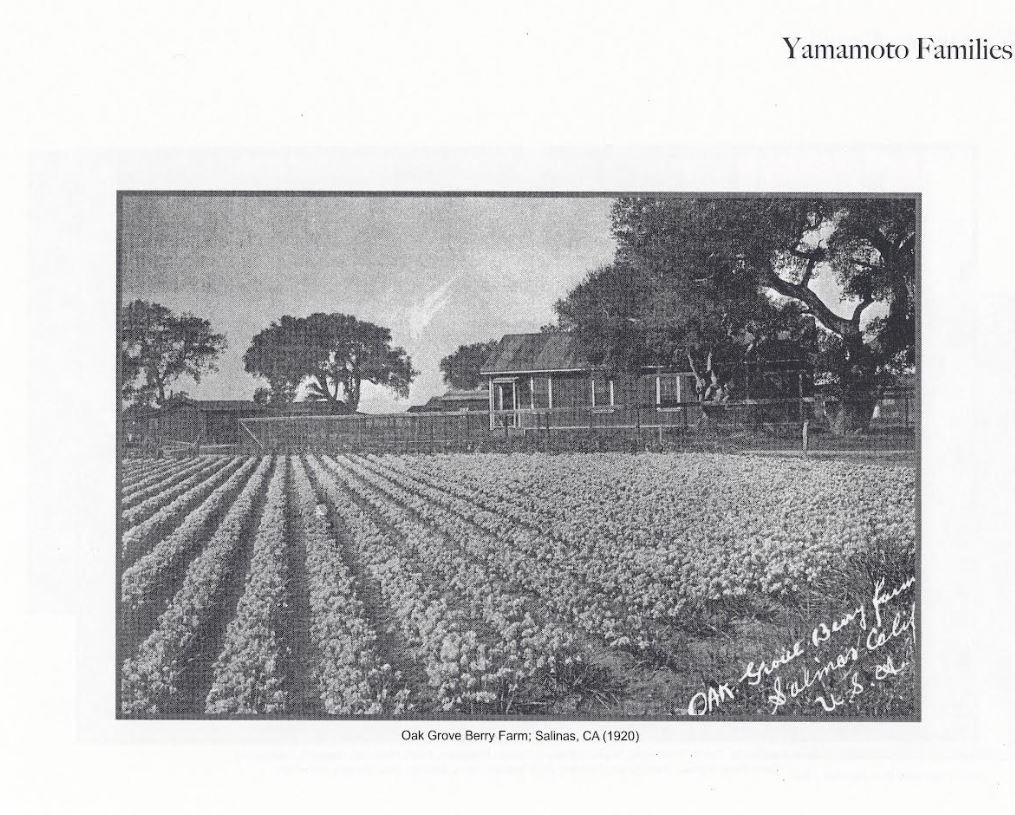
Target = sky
(439,272)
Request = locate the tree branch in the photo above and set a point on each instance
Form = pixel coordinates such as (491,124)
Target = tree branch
(322,381)
(808,272)
(796,291)
(866,301)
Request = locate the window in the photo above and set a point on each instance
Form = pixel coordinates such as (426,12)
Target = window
(670,394)
(523,388)
(541,391)
(602,391)
(625,391)
(675,389)
(571,392)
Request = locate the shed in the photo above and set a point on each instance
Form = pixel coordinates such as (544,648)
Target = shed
(455,401)
(204,421)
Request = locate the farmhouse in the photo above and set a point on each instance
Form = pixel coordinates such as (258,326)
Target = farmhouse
(532,374)
(550,371)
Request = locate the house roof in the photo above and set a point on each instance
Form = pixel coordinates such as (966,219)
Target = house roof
(435,403)
(550,351)
(464,396)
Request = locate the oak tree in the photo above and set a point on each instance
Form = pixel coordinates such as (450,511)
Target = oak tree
(157,347)
(461,368)
(333,354)
(713,277)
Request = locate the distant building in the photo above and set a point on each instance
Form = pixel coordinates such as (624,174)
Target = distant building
(217,421)
(455,401)
(134,420)
(320,407)
(204,421)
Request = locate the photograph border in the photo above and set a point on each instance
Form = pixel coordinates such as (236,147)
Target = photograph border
(435,716)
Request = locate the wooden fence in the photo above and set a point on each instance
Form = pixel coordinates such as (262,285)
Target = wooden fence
(775,424)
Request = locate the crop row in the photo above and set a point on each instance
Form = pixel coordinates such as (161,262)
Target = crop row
(169,492)
(151,678)
(138,540)
(505,654)
(132,497)
(139,582)
(597,579)
(655,570)
(536,565)
(799,520)
(250,671)
(350,675)
(437,635)
(146,472)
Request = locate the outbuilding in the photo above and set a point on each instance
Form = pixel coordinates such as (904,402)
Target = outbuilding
(202,421)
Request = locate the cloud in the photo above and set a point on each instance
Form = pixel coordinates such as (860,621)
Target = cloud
(421,313)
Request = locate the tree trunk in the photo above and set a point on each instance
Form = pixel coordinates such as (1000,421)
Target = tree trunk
(352,398)
(851,415)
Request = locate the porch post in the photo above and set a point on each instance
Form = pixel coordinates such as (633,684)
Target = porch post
(549,391)
(532,392)
(491,403)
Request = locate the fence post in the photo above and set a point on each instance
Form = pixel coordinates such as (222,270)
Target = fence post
(806,423)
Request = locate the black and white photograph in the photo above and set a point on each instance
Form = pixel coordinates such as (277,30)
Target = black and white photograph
(508,455)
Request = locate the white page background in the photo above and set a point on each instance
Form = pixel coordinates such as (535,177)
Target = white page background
(448,97)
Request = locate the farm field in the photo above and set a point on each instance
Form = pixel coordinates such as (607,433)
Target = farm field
(576,585)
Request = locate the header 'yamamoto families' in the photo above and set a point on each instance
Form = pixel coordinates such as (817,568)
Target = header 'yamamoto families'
(976,48)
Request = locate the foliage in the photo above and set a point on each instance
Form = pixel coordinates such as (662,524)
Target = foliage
(151,679)
(159,347)
(628,315)
(333,353)
(716,279)
(516,584)
(461,369)
(279,394)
